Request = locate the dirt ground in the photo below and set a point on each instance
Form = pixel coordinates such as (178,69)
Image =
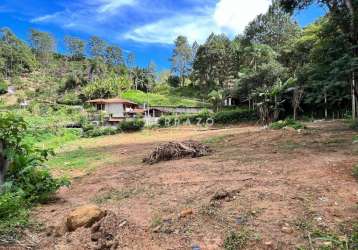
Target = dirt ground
(284,184)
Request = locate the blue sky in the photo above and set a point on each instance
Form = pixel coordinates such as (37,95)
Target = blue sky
(145,27)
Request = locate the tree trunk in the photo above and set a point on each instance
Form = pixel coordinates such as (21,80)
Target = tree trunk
(325,105)
(354,112)
(4,163)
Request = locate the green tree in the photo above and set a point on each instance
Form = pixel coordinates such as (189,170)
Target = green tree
(75,47)
(97,47)
(214,64)
(181,58)
(43,44)
(274,28)
(113,56)
(216,97)
(15,56)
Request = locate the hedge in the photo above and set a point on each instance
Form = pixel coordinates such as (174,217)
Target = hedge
(223,117)
(131,126)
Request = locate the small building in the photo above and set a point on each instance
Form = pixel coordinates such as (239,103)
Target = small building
(116,108)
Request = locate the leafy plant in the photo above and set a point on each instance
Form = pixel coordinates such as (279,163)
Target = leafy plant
(287,123)
(131,126)
(236,240)
(27,181)
(355,171)
(3,87)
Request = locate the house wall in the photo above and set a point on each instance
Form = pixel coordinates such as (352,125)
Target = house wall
(116,109)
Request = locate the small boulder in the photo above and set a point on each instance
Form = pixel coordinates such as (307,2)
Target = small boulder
(84,216)
(185,213)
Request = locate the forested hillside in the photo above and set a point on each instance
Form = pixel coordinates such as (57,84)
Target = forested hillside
(276,172)
(275,67)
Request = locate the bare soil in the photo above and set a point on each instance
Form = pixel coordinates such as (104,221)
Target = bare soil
(281,183)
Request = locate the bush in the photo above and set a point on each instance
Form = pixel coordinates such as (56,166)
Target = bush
(236,240)
(205,117)
(235,116)
(3,87)
(91,131)
(131,126)
(355,171)
(353,124)
(70,98)
(287,123)
(14,213)
(27,180)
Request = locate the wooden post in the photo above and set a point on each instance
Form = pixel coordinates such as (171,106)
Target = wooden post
(4,164)
(353,98)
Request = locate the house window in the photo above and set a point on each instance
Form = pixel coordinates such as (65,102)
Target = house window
(100,106)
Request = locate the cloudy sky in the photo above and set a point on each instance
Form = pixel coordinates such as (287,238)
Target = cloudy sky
(146,27)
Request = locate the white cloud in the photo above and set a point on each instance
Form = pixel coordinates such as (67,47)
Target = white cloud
(45,18)
(196,28)
(228,16)
(110,6)
(234,15)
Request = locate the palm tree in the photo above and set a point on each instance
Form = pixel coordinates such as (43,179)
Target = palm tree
(216,97)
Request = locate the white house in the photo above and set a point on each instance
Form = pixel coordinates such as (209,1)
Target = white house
(116,108)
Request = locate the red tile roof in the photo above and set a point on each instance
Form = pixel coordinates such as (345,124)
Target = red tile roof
(113,100)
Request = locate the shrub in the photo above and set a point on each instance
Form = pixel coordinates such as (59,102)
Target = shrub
(27,181)
(70,98)
(3,87)
(235,116)
(355,171)
(223,117)
(92,131)
(236,240)
(14,213)
(131,126)
(353,124)
(287,123)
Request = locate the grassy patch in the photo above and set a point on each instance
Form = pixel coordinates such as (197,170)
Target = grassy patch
(236,240)
(289,145)
(355,172)
(54,140)
(116,195)
(83,159)
(287,123)
(215,139)
(159,100)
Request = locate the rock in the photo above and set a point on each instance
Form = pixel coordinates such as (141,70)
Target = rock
(222,194)
(289,129)
(186,212)
(268,245)
(95,236)
(157,229)
(84,216)
(105,231)
(287,230)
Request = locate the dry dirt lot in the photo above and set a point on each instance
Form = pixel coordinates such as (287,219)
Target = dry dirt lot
(288,190)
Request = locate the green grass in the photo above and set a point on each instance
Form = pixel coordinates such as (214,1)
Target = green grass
(236,240)
(215,139)
(159,100)
(82,159)
(287,123)
(116,195)
(54,139)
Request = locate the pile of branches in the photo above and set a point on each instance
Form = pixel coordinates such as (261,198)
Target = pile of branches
(177,150)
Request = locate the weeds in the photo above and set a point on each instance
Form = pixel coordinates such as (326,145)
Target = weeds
(355,172)
(116,195)
(287,123)
(236,240)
